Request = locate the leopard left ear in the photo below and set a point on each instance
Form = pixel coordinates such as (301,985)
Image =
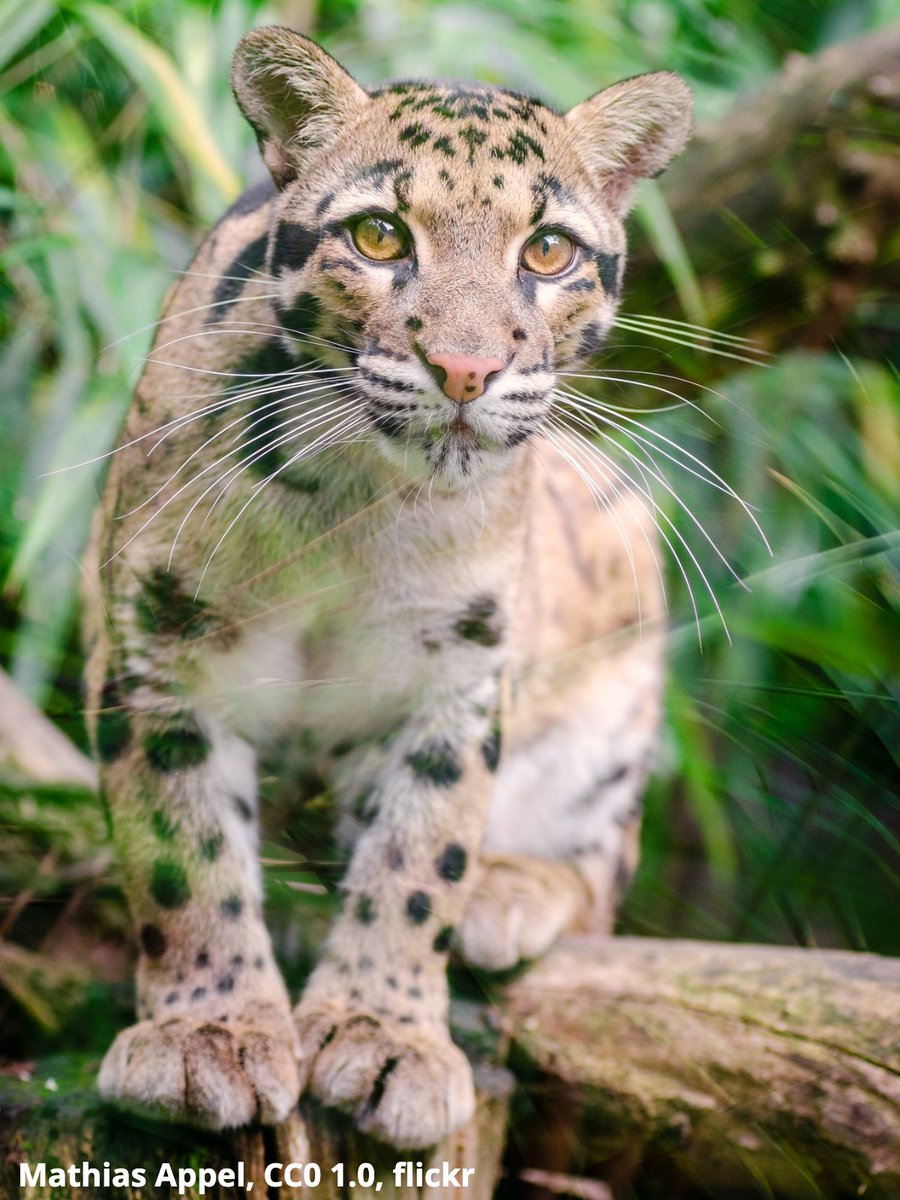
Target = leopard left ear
(632,130)
(294,94)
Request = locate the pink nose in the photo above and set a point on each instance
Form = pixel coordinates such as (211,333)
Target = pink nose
(464,374)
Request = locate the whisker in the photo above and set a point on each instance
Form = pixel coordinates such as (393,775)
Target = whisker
(351,422)
(710,477)
(636,327)
(188,312)
(657,474)
(169,501)
(600,499)
(185,418)
(651,513)
(237,469)
(713,334)
(643,466)
(259,419)
(652,386)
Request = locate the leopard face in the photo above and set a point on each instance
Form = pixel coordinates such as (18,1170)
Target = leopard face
(455,245)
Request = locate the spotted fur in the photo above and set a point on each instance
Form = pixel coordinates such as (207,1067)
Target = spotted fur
(302,532)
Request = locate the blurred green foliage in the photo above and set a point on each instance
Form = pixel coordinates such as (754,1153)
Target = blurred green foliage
(773,815)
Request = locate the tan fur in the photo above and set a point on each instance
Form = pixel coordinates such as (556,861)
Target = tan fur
(468,636)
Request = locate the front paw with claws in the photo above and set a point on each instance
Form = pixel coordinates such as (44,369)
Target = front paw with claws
(210,1073)
(409,1086)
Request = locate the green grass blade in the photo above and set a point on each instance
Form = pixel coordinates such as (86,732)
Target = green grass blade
(181,118)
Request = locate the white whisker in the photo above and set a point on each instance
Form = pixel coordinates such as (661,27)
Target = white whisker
(350,423)
(709,476)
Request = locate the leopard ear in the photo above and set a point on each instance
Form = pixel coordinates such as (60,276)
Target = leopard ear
(294,94)
(632,130)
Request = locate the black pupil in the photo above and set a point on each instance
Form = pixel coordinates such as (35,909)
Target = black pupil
(382,229)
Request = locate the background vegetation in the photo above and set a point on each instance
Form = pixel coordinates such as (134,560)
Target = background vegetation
(773,815)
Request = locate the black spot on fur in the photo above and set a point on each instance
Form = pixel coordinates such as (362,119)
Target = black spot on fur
(451,863)
(250,260)
(169,885)
(480,622)
(441,943)
(490,747)
(418,907)
(608,270)
(473,138)
(202,959)
(377,1092)
(395,857)
(293,245)
(384,381)
(237,961)
(251,200)
(242,807)
(198,993)
(231,907)
(363,808)
(591,340)
(163,826)
(113,724)
(537,213)
(498,182)
(415,134)
(153,941)
(364,910)
(390,425)
(225,984)
(211,846)
(164,607)
(447,179)
(437,762)
(378,170)
(445,146)
(171,998)
(329,1037)
(519,148)
(302,316)
(180,746)
(414,323)
(519,335)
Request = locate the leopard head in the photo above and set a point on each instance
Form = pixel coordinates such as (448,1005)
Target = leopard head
(457,244)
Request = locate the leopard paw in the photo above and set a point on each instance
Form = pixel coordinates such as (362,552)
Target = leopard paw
(209,1073)
(406,1086)
(517,909)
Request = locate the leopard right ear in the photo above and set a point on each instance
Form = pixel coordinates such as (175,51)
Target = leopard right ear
(293,93)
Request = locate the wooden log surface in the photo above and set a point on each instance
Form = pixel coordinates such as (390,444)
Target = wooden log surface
(737,1065)
(742,1067)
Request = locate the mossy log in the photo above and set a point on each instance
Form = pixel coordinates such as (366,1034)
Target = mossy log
(754,1069)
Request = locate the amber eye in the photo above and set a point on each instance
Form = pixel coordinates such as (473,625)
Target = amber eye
(380,239)
(548,254)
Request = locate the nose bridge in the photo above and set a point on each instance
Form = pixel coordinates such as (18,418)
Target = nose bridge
(465,374)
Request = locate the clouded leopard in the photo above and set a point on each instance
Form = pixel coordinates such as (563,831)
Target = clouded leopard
(342,512)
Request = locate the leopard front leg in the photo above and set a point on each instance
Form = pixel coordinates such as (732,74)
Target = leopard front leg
(373,1018)
(214,1044)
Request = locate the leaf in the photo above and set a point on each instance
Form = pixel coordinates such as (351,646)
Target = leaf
(182,120)
(20,20)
